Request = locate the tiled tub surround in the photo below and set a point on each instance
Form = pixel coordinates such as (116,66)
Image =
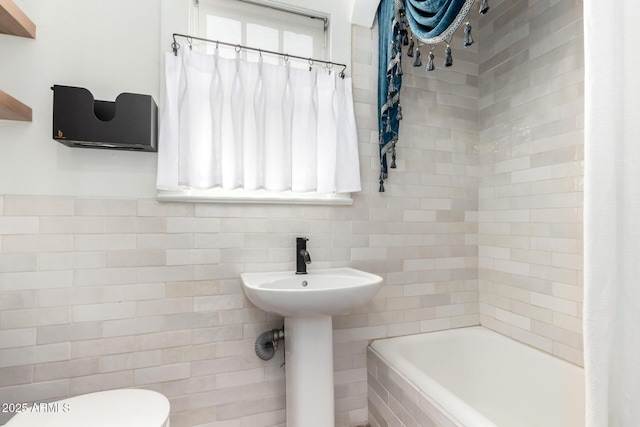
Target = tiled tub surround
(531,173)
(469,377)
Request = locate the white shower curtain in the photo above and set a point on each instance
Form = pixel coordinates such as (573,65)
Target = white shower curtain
(232,123)
(612,213)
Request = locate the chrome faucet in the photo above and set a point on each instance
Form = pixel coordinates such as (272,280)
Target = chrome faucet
(302,255)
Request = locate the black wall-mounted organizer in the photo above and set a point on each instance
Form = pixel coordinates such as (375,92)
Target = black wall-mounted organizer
(129,123)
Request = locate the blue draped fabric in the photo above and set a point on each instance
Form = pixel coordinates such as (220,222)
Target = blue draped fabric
(430,19)
(431,22)
(386,54)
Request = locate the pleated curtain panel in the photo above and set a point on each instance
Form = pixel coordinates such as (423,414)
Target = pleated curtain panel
(232,123)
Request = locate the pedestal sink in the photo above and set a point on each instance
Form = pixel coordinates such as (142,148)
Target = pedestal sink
(307,303)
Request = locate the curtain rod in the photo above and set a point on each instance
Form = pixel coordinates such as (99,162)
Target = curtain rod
(324,19)
(175,46)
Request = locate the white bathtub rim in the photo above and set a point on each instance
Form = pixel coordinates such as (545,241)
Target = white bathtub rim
(439,396)
(448,398)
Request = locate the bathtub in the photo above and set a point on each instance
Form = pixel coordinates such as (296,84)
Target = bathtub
(470,377)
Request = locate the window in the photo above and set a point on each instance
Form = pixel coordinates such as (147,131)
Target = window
(265,27)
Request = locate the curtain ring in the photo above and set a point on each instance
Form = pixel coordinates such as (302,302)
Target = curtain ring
(329,66)
(175,46)
(238,48)
(286,57)
(310,63)
(190,41)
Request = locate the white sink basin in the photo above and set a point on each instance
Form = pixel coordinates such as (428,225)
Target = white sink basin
(319,292)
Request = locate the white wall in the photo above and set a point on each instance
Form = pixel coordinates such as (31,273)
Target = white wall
(108,47)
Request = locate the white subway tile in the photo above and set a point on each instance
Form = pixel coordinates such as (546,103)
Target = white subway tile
(165,273)
(70,296)
(435,324)
(239,378)
(135,326)
(126,224)
(217,334)
(102,347)
(70,260)
(134,292)
(163,340)
(135,258)
(17,338)
(159,374)
(68,333)
(192,256)
(19,225)
(105,207)
(65,369)
(17,262)
(222,240)
(101,242)
(72,225)
(20,356)
(513,319)
(554,303)
(15,375)
(100,382)
(36,280)
(105,276)
(15,319)
(419,289)
(18,300)
(419,215)
(105,311)
(38,205)
(193,225)
(130,361)
(164,306)
(37,243)
(154,208)
(164,241)
(27,393)
(218,302)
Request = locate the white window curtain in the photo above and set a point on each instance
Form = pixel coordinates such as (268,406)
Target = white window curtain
(231,123)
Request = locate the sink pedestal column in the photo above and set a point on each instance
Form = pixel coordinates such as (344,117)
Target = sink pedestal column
(309,371)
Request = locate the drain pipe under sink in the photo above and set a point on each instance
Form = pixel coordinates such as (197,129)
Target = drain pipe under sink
(267,343)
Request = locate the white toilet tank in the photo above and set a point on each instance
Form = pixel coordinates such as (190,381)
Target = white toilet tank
(113,408)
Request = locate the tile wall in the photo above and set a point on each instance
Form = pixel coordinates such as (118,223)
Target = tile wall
(102,293)
(531,173)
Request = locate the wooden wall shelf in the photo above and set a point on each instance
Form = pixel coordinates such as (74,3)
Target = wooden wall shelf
(13,21)
(12,109)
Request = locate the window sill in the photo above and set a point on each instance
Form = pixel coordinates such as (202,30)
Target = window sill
(218,195)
